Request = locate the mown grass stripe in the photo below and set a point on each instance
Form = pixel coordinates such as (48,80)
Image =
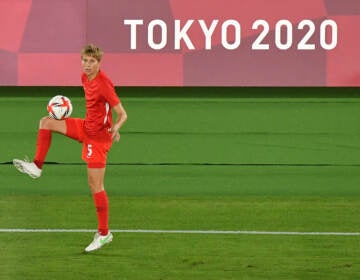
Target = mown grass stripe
(240,232)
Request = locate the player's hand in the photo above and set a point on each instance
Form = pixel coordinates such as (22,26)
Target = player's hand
(115,135)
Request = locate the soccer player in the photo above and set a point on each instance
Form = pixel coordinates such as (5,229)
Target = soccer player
(96,132)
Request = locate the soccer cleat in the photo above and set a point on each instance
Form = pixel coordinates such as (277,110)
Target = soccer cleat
(29,168)
(99,241)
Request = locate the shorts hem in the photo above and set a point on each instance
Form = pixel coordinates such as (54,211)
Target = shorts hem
(96,165)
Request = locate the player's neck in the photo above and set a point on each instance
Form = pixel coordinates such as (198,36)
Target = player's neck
(93,76)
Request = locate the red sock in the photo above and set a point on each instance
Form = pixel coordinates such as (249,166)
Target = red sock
(102,210)
(42,146)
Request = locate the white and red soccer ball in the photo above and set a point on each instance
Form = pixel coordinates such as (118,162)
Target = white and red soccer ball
(59,107)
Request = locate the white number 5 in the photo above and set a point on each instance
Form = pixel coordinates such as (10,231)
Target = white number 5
(89,148)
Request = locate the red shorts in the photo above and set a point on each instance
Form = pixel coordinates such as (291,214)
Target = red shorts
(94,152)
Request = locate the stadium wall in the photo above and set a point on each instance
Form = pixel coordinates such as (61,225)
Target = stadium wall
(164,42)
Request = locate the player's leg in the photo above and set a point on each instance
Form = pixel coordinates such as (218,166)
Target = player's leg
(94,153)
(96,183)
(51,124)
(46,126)
(70,127)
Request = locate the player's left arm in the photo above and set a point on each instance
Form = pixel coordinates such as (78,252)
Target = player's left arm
(121,118)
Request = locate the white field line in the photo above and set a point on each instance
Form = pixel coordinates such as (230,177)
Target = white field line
(234,232)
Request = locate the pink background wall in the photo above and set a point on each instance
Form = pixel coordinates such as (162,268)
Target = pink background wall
(40,41)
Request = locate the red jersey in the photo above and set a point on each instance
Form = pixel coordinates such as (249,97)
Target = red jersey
(100,97)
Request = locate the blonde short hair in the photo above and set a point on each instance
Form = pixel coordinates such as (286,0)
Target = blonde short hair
(93,51)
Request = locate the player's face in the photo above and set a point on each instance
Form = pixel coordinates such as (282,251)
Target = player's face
(90,66)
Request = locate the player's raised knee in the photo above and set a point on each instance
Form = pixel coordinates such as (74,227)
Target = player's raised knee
(45,123)
(53,125)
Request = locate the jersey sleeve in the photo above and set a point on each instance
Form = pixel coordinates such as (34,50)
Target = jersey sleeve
(110,94)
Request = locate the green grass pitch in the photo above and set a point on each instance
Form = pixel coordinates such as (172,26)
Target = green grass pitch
(192,163)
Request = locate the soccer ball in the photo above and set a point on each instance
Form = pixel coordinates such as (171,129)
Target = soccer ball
(59,107)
